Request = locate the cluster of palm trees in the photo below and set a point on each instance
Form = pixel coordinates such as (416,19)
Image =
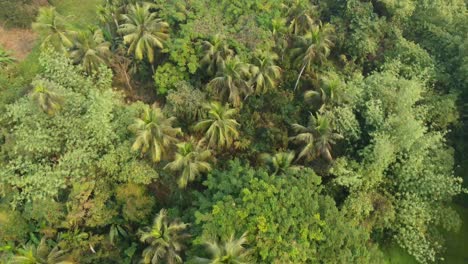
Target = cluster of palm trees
(143,34)
(140,30)
(166,242)
(41,254)
(156,136)
(234,79)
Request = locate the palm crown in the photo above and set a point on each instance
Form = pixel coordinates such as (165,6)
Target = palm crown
(47,99)
(330,92)
(90,49)
(313,47)
(317,137)
(265,73)
(41,254)
(143,31)
(300,16)
(190,161)
(281,162)
(154,133)
(220,128)
(165,239)
(216,52)
(230,252)
(53,29)
(232,81)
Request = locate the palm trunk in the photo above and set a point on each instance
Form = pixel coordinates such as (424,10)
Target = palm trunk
(299,77)
(127,79)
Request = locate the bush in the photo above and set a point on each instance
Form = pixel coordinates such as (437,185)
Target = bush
(19,13)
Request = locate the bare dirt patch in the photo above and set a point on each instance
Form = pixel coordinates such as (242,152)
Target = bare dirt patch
(19,42)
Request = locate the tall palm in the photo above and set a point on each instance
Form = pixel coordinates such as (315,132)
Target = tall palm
(265,73)
(331,91)
(108,13)
(301,16)
(165,239)
(281,162)
(232,81)
(41,254)
(91,50)
(154,133)
(313,47)
(216,52)
(316,138)
(190,161)
(143,31)
(220,128)
(230,252)
(53,28)
(47,99)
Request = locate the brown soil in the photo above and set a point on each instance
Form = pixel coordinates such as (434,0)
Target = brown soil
(19,42)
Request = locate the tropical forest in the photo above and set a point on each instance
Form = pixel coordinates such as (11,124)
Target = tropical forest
(233,131)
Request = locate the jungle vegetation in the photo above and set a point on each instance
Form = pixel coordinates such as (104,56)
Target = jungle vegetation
(247,131)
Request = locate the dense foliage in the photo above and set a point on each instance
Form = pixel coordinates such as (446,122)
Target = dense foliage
(245,131)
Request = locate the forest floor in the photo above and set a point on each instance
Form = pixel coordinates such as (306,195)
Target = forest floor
(18,41)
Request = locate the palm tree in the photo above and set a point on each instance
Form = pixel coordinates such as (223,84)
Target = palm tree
(91,50)
(220,128)
(53,28)
(300,14)
(313,47)
(154,133)
(41,255)
(47,99)
(232,81)
(216,53)
(316,138)
(190,161)
(331,90)
(143,31)
(230,252)
(165,239)
(108,13)
(281,162)
(265,73)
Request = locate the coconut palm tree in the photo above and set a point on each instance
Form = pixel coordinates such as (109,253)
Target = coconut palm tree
(53,28)
(41,254)
(91,50)
(154,133)
(190,161)
(331,91)
(230,252)
(232,81)
(313,47)
(316,138)
(165,239)
(281,162)
(265,73)
(216,52)
(143,31)
(301,16)
(220,128)
(47,99)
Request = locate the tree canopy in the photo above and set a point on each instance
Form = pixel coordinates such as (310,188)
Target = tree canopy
(248,131)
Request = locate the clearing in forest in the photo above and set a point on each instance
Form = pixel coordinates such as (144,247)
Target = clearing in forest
(18,41)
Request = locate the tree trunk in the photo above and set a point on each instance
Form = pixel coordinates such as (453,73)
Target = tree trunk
(299,77)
